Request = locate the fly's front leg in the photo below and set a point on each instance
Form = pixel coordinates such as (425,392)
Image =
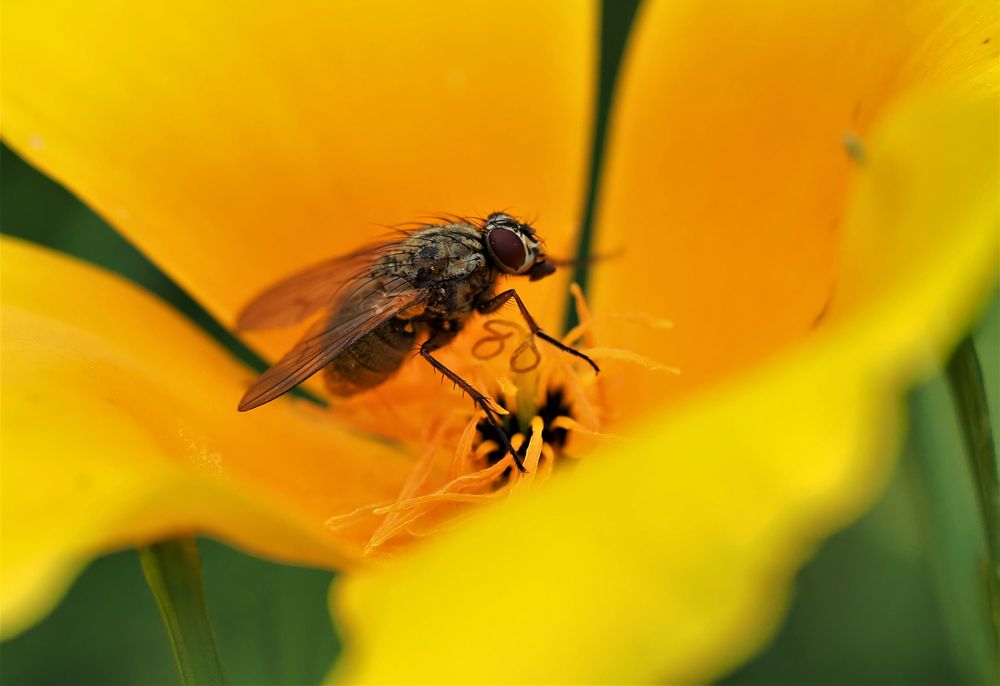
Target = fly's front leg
(498,301)
(438,339)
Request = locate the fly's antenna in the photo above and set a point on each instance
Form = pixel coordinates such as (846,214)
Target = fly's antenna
(588,260)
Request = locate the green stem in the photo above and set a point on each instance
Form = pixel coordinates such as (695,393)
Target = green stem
(969,390)
(173,572)
(616,24)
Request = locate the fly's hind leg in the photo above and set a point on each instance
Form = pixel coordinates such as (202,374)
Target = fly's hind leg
(440,338)
(498,301)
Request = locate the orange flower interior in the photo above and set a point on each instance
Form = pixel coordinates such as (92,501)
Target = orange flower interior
(726,184)
(552,408)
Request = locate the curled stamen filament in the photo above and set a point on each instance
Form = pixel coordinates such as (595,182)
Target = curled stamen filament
(526,346)
(499,339)
(496,337)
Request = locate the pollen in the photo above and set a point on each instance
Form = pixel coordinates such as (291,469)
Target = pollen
(550,407)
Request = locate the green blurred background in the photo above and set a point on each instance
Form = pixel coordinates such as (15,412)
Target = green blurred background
(895,599)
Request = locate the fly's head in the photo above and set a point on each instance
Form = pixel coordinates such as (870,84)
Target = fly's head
(514,247)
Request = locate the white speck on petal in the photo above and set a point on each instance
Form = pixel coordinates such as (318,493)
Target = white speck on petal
(36,142)
(206,459)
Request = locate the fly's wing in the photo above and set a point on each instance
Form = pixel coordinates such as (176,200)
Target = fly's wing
(365,304)
(293,299)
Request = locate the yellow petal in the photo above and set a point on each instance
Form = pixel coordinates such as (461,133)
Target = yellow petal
(669,558)
(238,143)
(727,173)
(120,427)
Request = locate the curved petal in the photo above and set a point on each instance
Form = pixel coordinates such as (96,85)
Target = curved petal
(670,558)
(120,427)
(727,174)
(238,143)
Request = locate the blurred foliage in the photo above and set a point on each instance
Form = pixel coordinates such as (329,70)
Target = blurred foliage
(270,622)
(616,25)
(894,599)
(899,598)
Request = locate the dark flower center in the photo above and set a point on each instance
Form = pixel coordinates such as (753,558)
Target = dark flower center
(554,406)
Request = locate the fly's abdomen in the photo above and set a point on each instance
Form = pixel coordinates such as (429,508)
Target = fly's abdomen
(372,359)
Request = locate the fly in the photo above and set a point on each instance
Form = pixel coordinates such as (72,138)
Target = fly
(388,298)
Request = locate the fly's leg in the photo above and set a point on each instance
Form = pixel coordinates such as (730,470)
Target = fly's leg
(498,301)
(436,341)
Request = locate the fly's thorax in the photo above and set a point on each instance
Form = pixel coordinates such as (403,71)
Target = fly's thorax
(449,263)
(434,254)
(457,298)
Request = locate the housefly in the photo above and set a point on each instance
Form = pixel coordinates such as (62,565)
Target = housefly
(380,303)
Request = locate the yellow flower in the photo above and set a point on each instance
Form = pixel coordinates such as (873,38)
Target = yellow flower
(234,146)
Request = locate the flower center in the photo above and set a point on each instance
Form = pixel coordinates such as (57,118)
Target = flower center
(549,405)
(554,432)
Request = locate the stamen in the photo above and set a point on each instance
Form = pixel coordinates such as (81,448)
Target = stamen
(440,497)
(464,447)
(643,318)
(507,387)
(485,448)
(534,444)
(516,441)
(480,477)
(343,520)
(496,407)
(534,451)
(386,533)
(583,408)
(570,424)
(587,320)
(629,356)
(403,513)
(526,346)
(421,471)
(578,331)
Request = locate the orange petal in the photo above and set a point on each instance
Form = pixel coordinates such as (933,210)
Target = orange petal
(120,427)
(235,144)
(727,175)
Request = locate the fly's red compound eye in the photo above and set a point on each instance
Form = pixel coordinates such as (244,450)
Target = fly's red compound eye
(507,248)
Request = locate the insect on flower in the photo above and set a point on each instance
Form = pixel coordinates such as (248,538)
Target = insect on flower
(384,298)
